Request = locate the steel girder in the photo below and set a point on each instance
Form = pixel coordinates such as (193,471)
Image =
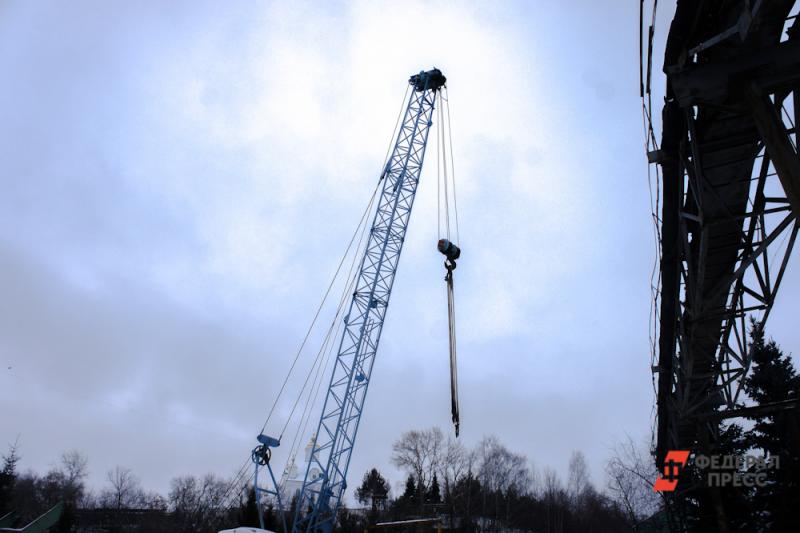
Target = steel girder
(729,219)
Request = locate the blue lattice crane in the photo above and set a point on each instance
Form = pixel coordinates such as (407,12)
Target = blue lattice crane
(325,479)
(350,380)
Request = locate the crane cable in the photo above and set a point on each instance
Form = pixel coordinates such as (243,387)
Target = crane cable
(240,475)
(330,286)
(328,344)
(361,227)
(314,320)
(324,355)
(445,245)
(338,311)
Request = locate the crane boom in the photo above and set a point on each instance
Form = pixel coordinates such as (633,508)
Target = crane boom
(344,402)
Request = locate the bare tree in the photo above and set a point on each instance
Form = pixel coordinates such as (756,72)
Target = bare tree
(421,453)
(501,473)
(631,473)
(197,502)
(578,478)
(184,494)
(500,469)
(214,491)
(455,464)
(125,491)
(555,500)
(75,467)
(551,484)
(155,501)
(534,479)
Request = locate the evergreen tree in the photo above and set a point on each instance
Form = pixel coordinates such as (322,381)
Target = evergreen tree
(700,511)
(467,496)
(271,519)
(410,494)
(772,379)
(777,435)
(434,495)
(8,479)
(66,522)
(248,511)
(293,507)
(373,490)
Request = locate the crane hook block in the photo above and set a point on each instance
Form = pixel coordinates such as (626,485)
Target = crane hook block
(449,249)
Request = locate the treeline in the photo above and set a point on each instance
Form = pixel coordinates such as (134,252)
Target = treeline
(485,488)
(491,488)
(193,504)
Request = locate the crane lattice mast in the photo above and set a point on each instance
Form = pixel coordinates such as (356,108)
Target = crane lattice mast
(363,323)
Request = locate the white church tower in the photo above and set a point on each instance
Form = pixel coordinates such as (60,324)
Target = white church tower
(292,478)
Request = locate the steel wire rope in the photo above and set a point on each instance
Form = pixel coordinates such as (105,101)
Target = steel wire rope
(347,290)
(443,141)
(452,162)
(238,476)
(317,386)
(328,343)
(362,229)
(227,496)
(305,416)
(438,125)
(655,200)
(330,286)
(323,359)
(243,468)
(308,333)
(325,349)
(347,252)
(444,173)
(311,400)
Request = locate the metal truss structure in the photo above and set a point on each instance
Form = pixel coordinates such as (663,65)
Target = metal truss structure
(731,198)
(344,402)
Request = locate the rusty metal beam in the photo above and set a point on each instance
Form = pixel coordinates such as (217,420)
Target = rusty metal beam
(777,142)
(754,411)
(714,83)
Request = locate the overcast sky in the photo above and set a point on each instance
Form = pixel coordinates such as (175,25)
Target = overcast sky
(179,180)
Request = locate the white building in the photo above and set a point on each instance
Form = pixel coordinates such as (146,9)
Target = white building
(292,478)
